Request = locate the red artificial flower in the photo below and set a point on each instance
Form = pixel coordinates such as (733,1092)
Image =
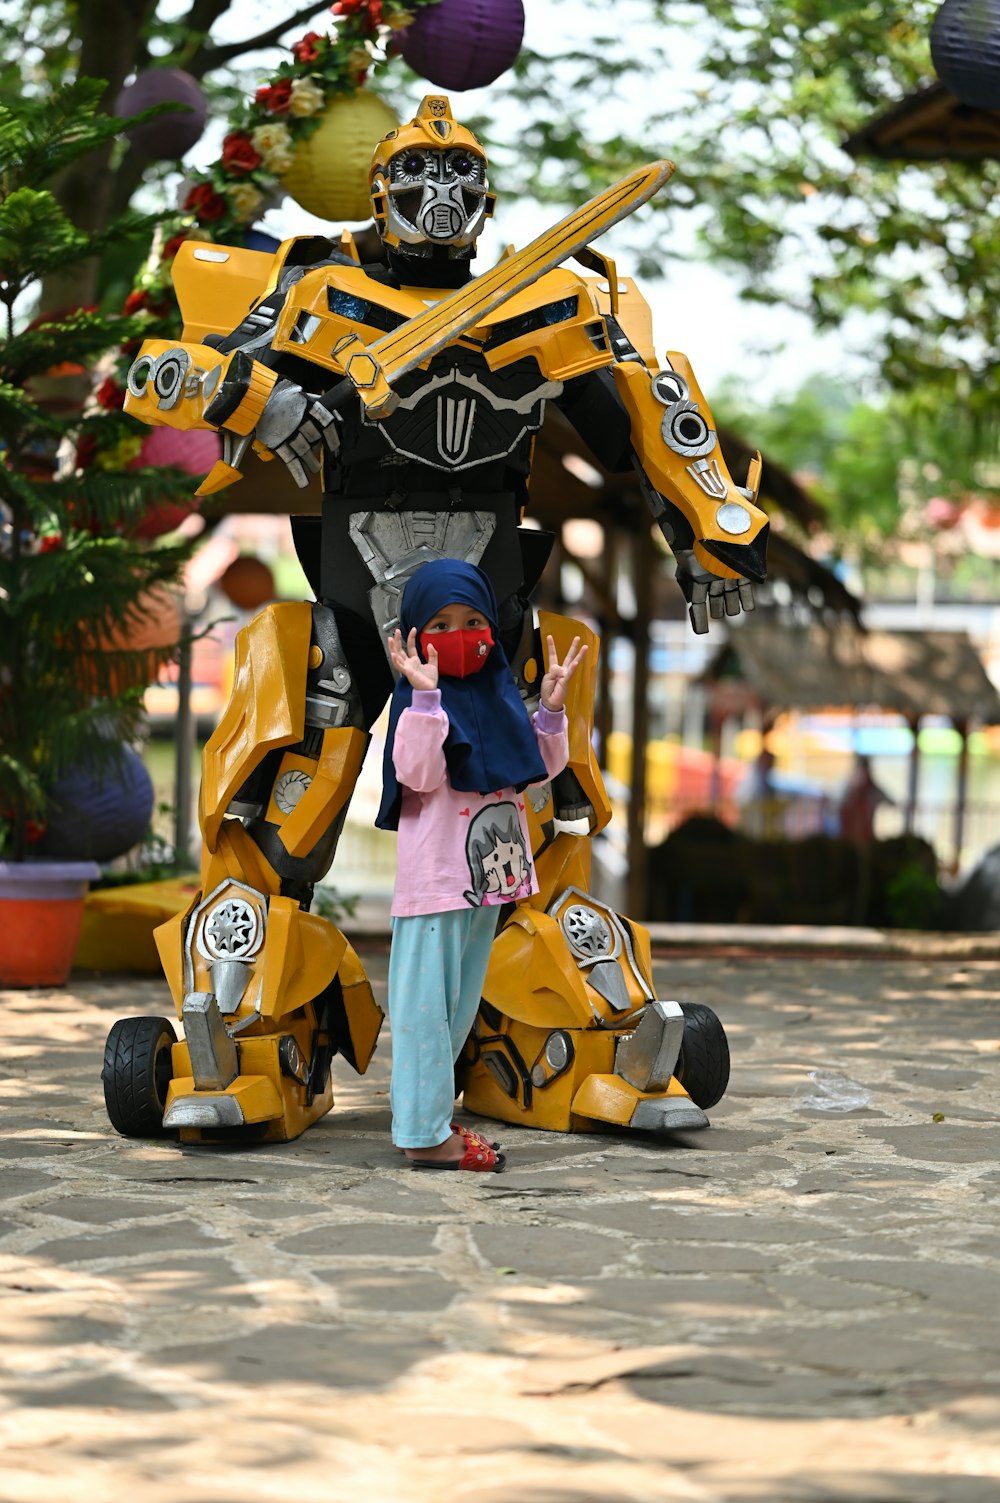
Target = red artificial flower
(360,77)
(347,7)
(205,203)
(109,394)
(86,449)
(305,49)
(136,302)
(275,97)
(375,12)
(51,543)
(239,155)
(173,245)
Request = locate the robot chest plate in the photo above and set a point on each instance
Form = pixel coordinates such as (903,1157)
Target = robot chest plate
(464,414)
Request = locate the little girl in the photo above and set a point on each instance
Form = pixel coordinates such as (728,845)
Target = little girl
(460,750)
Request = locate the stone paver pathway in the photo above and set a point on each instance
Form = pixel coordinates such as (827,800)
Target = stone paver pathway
(798,1306)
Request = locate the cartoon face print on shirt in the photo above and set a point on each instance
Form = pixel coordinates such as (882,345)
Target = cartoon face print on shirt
(499,869)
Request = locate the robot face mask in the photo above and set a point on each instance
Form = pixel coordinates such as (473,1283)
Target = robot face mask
(436,196)
(428,184)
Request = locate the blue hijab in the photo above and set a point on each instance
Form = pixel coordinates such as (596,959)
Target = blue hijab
(491,742)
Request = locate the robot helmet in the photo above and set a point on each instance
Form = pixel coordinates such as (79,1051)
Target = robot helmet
(428,184)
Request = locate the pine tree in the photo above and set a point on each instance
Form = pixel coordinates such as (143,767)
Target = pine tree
(70,569)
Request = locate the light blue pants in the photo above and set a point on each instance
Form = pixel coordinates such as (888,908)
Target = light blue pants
(437,966)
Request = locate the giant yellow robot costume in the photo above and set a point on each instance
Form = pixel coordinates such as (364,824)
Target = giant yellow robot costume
(418,388)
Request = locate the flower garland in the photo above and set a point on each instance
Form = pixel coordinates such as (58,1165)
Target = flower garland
(260,145)
(224,200)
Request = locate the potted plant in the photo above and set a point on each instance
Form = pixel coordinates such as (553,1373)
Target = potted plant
(74,576)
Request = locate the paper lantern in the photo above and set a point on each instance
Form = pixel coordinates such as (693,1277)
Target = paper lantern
(170,135)
(98,815)
(248,583)
(152,628)
(965,50)
(194,451)
(329,174)
(464,44)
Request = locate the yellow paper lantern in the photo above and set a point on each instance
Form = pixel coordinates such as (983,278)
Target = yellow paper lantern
(329,176)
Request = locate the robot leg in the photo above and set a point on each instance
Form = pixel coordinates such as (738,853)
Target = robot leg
(267,991)
(571,1035)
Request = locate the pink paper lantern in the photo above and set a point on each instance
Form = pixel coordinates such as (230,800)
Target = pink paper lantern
(194,451)
(464,44)
(170,135)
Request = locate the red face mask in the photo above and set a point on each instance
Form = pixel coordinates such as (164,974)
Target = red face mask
(459,652)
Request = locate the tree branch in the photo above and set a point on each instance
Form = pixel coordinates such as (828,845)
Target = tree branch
(208,58)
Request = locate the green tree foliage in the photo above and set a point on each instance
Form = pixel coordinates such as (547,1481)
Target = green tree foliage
(70,570)
(763,180)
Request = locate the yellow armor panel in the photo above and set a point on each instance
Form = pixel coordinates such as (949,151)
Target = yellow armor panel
(579,708)
(266,710)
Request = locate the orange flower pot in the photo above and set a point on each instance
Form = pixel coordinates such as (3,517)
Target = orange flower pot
(41,910)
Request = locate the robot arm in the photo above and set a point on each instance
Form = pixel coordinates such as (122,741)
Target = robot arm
(655,419)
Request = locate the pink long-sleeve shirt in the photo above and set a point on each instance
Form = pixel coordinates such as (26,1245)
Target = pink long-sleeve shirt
(457,849)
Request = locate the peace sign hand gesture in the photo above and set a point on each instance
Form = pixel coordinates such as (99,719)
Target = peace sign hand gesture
(407,661)
(557,676)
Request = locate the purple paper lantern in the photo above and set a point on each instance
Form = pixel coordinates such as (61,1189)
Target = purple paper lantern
(464,44)
(99,815)
(965,50)
(170,135)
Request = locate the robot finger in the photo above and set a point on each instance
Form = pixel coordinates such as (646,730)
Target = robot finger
(716,608)
(698,613)
(746,595)
(732,598)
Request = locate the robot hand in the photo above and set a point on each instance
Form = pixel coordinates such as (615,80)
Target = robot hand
(707,595)
(296,426)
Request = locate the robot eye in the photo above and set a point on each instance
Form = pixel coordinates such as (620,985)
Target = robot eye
(413,164)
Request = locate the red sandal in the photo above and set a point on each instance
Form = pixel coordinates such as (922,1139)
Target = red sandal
(480,1158)
(471,1136)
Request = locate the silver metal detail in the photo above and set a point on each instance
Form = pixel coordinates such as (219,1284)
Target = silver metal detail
(326,713)
(215,1058)
(172,375)
(646,1057)
(229,982)
(668,1114)
(538,1076)
(622,944)
(708,475)
(668,387)
(607,978)
(339,681)
(557,1050)
(393,544)
(539,796)
(590,937)
(289,789)
(305,328)
(426,196)
(733,518)
(217,1111)
(455,419)
(234,446)
(202,253)
(686,431)
(230,931)
(230,887)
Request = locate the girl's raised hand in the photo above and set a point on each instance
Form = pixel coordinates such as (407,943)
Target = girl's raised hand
(407,661)
(557,675)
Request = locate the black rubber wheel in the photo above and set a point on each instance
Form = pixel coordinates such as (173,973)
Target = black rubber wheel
(137,1071)
(703,1063)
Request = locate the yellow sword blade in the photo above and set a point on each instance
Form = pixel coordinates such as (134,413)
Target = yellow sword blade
(372,368)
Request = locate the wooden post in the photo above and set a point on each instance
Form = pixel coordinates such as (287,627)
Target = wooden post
(961,792)
(914,780)
(604,717)
(643,562)
(184,743)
